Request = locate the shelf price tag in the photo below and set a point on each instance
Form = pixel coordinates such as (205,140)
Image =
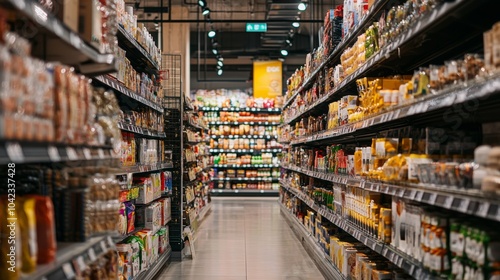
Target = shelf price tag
(81,263)
(100,152)
(53,153)
(14,151)
(483,208)
(86,153)
(464,205)
(72,155)
(68,271)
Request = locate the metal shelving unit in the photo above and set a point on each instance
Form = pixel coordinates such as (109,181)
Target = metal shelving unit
(400,259)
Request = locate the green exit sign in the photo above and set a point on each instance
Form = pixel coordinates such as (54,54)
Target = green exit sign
(257,27)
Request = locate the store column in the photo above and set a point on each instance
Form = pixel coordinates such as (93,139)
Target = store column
(176,40)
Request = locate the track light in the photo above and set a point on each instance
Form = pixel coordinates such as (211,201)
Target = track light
(219,72)
(289,42)
(214,51)
(218,67)
(211,34)
(202,3)
(296,24)
(284,52)
(302,6)
(220,58)
(206,11)
(220,63)
(215,44)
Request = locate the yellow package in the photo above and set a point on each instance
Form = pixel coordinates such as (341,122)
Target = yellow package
(27,223)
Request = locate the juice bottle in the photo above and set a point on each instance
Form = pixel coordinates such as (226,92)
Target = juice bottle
(358,161)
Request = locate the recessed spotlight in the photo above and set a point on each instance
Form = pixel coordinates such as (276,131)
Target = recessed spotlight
(284,52)
(302,7)
(206,11)
(211,34)
(296,24)
(219,72)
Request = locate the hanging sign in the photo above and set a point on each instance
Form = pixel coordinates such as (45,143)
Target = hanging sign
(267,79)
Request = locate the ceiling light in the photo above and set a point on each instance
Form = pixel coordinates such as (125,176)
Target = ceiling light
(202,3)
(214,51)
(206,11)
(296,24)
(220,58)
(284,52)
(215,44)
(220,63)
(302,7)
(211,34)
(289,42)
(219,72)
(218,67)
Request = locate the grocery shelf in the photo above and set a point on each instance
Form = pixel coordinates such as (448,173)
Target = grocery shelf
(400,259)
(242,109)
(432,24)
(86,59)
(244,136)
(476,91)
(195,125)
(245,165)
(134,51)
(322,260)
(472,202)
(20,152)
(204,211)
(245,151)
(145,168)
(119,237)
(243,192)
(140,131)
(149,203)
(159,264)
(248,123)
(238,179)
(119,87)
(70,255)
(347,40)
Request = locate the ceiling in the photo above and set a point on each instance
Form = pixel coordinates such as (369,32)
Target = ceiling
(229,18)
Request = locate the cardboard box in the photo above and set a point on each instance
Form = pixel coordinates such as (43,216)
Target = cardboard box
(90,23)
(67,12)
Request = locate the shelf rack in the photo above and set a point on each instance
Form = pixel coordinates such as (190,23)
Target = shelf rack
(432,24)
(245,151)
(244,136)
(155,268)
(135,51)
(239,179)
(322,260)
(348,39)
(472,202)
(246,123)
(400,259)
(21,152)
(144,168)
(242,109)
(141,131)
(120,88)
(78,53)
(246,166)
(71,255)
(244,192)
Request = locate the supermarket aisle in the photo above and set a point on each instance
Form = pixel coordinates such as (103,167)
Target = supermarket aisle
(245,239)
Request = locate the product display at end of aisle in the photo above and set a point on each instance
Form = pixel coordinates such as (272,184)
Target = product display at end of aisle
(234,100)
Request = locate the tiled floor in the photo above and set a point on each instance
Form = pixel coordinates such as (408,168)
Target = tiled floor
(245,239)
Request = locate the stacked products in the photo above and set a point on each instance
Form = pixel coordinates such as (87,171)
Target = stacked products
(141,151)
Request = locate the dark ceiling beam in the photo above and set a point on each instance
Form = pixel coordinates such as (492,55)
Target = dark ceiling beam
(226,20)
